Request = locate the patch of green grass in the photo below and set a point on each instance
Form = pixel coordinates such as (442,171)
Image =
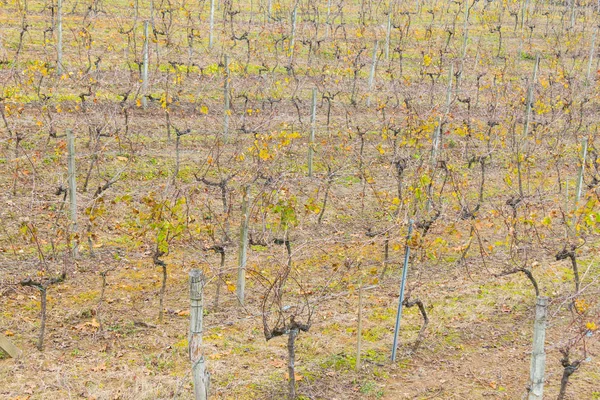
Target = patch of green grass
(371,388)
(123,329)
(339,362)
(383,314)
(158,362)
(374,334)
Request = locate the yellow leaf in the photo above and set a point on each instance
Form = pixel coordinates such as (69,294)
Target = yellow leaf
(230,286)
(427,60)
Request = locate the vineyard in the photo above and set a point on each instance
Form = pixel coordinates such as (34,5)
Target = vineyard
(288,168)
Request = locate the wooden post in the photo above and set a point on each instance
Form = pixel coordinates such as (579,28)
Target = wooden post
(72,189)
(242,259)
(226,98)
(59,62)
(372,73)
(200,375)
(145,67)
(9,347)
(313,127)
(212,24)
(293,333)
(538,356)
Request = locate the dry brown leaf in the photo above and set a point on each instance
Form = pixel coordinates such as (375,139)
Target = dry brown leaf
(277,363)
(297,376)
(99,368)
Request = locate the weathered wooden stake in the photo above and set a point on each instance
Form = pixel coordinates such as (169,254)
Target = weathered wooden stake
(538,356)
(313,127)
(145,67)
(243,250)
(72,190)
(9,347)
(200,374)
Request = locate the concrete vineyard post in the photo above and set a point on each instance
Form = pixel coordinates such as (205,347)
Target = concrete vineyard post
(145,67)
(464,45)
(212,24)
(329,22)
(437,132)
(372,73)
(293,34)
(72,189)
(243,249)
(200,373)
(538,356)
(359,326)
(388,33)
(313,127)
(529,100)
(579,187)
(437,135)
(226,98)
(270,9)
(530,96)
(591,57)
(59,62)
